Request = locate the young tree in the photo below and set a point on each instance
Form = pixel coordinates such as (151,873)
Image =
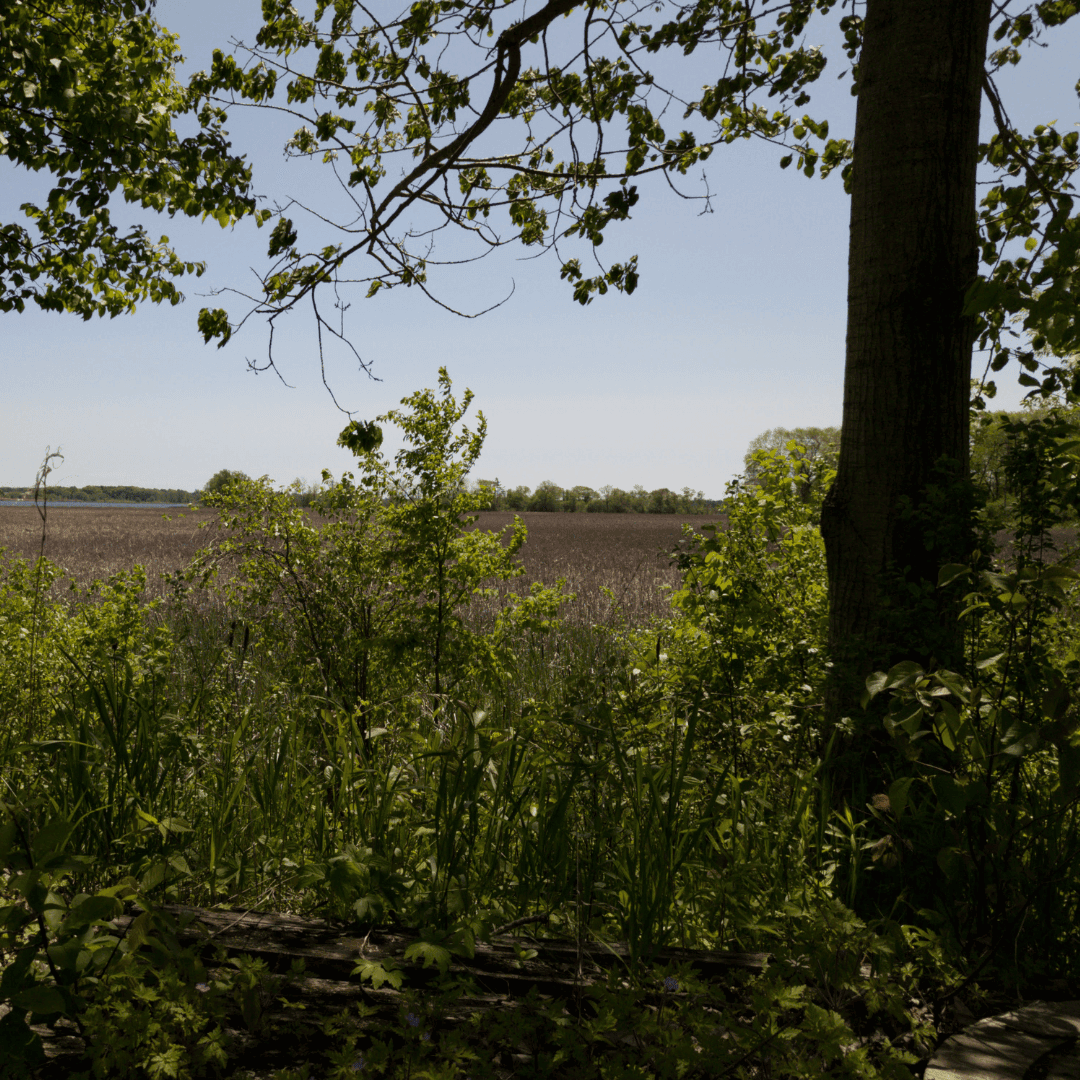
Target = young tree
(816,456)
(549,117)
(88,93)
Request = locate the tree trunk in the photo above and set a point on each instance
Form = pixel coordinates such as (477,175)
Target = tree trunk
(895,512)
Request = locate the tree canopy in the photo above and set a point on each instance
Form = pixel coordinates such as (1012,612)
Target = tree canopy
(505,123)
(88,93)
(223,479)
(536,126)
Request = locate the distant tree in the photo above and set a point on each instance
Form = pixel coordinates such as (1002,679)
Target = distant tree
(662,501)
(222,479)
(818,453)
(989,447)
(517,498)
(579,498)
(304,492)
(691,502)
(548,497)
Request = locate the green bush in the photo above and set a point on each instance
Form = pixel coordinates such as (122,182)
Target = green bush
(364,600)
(747,644)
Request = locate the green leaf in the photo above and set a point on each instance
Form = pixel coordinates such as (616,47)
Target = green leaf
(51,840)
(19,1043)
(9,834)
(898,794)
(93,909)
(947,725)
(950,794)
(1068,770)
(251,1007)
(154,876)
(906,672)
(215,324)
(989,657)
(955,684)
(42,999)
(951,572)
(429,953)
(138,932)
(379,972)
(906,715)
(876,683)
(949,860)
(15,974)
(361,437)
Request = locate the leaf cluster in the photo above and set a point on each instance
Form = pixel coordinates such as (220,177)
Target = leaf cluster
(545,118)
(88,93)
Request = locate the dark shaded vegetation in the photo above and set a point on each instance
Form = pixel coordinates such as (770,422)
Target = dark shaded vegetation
(386,714)
(106,493)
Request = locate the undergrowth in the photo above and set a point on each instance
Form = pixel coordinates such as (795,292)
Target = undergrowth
(316,720)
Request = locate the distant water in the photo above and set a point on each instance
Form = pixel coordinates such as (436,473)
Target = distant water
(98,505)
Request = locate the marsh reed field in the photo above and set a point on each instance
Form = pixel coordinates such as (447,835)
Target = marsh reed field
(628,554)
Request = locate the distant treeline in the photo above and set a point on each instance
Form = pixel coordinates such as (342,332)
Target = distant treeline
(105,493)
(549,496)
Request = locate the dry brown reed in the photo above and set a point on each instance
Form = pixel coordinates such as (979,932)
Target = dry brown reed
(91,543)
(629,554)
(626,553)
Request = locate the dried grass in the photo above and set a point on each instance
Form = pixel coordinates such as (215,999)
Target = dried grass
(93,542)
(626,553)
(630,554)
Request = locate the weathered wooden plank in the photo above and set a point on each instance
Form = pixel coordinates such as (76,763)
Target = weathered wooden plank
(332,952)
(560,969)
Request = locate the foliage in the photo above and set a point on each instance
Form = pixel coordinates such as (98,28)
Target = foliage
(372,93)
(654,786)
(1026,303)
(65,957)
(222,479)
(747,644)
(443,563)
(1006,447)
(520,158)
(982,815)
(812,464)
(88,93)
(372,601)
(550,497)
(787,1022)
(44,644)
(112,962)
(109,493)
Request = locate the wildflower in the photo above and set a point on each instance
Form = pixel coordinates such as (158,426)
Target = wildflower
(412,1020)
(359,1063)
(671,984)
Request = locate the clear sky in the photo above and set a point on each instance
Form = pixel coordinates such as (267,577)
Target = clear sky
(737,326)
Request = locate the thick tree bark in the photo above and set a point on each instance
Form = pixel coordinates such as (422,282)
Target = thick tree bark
(913,253)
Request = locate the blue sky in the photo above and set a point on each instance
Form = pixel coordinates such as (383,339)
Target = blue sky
(737,326)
